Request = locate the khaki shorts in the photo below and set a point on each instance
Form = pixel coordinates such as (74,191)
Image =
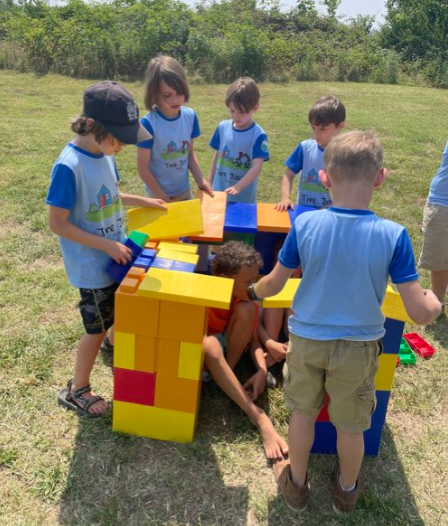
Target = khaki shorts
(434,254)
(342,368)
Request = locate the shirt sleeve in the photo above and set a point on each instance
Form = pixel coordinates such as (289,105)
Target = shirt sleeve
(261,148)
(62,190)
(215,140)
(402,267)
(149,143)
(196,132)
(295,161)
(289,255)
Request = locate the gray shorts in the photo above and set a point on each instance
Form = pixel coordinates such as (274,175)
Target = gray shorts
(434,254)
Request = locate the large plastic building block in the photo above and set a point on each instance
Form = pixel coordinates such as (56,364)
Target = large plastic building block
(136,273)
(178,256)
(298,210)
(152,245)
(167,361)
(406,355)
(271,220)
(118,271)
(143,263)
(179,219)
(284,298)
(419,345)
(136,387)
(153,422)
(191,361)
(323,416)
(129,284)
(241,217)
(268,244)
(194,289)
(249,239)
(124,350)
(139,238)
(180,266)
(166,264)
(182,322)
(145,354)
(393,306)
(136,314)
(178,394)
(177,246)
(392,338)
(213,215)
(386,370)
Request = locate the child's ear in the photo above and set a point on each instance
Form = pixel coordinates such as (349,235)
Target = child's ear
(380,178)
(324,179)
(340,126)
(256,107)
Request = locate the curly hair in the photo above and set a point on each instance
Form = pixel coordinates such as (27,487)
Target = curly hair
(232,256)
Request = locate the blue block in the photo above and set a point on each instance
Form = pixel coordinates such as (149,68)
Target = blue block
(268,244)
(392,338)
(299,209)
(144,263)
(148,253)
(181,266)
(241,217)
(167,264)
(136,249)
(117,271)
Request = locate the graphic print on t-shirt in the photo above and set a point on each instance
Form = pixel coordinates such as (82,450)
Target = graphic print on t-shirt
(173,151)
(106,205)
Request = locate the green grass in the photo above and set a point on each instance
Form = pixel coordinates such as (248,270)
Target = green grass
(57,469)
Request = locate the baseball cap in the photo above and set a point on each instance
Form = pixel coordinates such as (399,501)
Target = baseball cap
(111,104)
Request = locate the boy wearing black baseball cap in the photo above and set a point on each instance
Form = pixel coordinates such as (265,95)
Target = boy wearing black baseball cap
(86,213)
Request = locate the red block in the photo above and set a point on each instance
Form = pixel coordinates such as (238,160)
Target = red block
(136,387)
(323,415)
(418,344)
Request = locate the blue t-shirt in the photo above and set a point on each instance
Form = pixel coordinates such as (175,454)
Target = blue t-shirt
(438,191)
(308,158)
(347,257)
(236,151)
(87,185)
(170,147)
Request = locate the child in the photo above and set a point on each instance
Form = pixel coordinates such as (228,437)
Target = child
(335,338)
(86,212)
(163,162)
(241,145)
(231,331)
(434,255)
(327,118)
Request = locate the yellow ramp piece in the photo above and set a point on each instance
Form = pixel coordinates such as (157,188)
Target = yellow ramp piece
(124,350)
(186,287)
(284,298)
(178,246)
(191,359)
(153,422)
(385,375)
(179,219)
(185,257)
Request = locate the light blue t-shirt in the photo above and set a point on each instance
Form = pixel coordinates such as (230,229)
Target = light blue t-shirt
(438,191)
(347,257)
(236,151)
(308,158)
(87,185)
(170,147)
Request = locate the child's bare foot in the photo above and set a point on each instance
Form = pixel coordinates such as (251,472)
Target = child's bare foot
(274,445)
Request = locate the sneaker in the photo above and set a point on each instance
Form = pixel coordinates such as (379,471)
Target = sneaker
(344,502)
(296,498)
(106,346)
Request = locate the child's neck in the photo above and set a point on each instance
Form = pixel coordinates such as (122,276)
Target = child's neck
(351,196)
(87,143)
(245,127)
(168,115)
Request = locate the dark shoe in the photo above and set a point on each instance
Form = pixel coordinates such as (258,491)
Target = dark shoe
(106,346)
(296,498)
(344,502)
(75,400)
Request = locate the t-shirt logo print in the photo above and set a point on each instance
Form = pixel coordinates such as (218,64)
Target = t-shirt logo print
(132,111)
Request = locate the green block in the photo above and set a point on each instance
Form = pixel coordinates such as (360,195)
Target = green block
(139,238)
(406,354)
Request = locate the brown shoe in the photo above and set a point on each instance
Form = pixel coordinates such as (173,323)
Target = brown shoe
(296,498)
(344,502)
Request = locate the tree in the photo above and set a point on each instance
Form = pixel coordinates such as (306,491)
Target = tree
(306,7)
(332,7)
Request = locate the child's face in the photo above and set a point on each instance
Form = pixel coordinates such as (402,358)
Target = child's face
(241,119)
(323,133)
(110,145)
(169,101)
(245,277)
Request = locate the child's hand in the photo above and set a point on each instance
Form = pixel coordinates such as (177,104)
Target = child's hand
(205,187)
(151,202)
(284,205)
(118,252)
(232,191)
(276,350)
(256,384)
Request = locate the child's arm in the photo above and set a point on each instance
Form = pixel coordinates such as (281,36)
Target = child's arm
(195,169)
(275,349)
(143,160)
(249,178)
(257,382)
(273,283)
(139,200)
(422,305)
(61,226)
(211,176)
(286,202)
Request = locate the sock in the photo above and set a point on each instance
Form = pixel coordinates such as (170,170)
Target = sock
(348,490)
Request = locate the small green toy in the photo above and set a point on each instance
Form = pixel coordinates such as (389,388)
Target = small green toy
(406,354)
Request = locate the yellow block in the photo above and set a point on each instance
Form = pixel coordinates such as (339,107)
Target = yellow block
(178,256)
(186,287)
(153,422)
(191,359)
(179,219)
(284,298)
(385,375)
(178,246)
(124,350)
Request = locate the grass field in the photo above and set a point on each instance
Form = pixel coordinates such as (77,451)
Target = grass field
(56,469)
